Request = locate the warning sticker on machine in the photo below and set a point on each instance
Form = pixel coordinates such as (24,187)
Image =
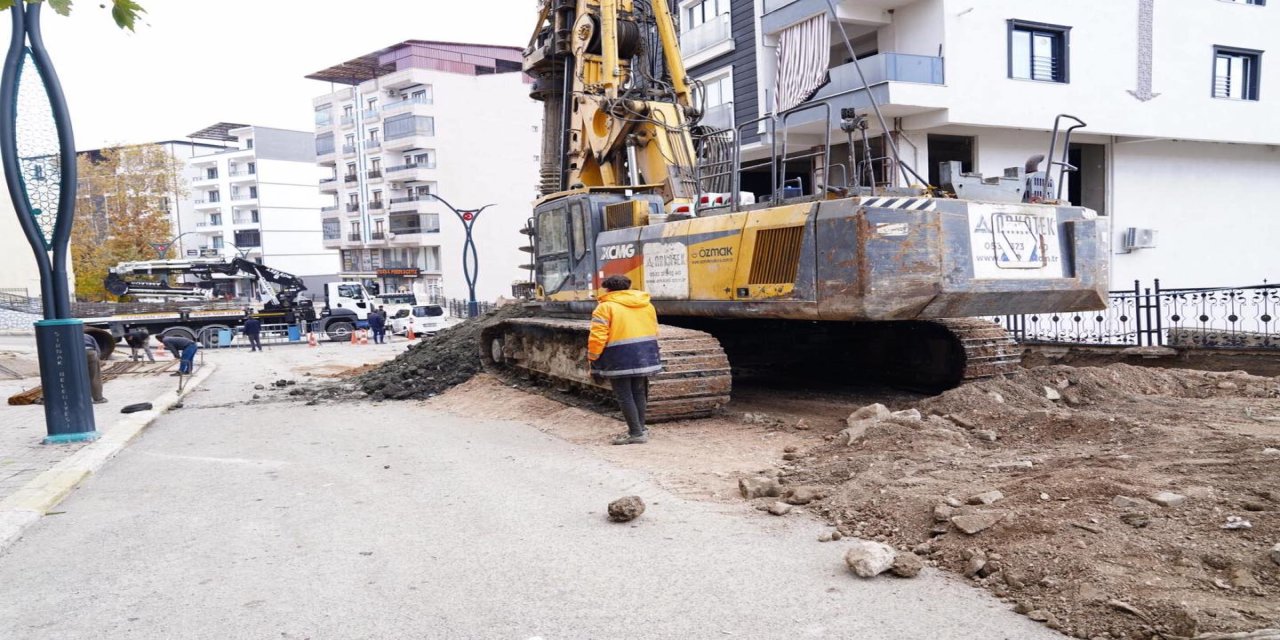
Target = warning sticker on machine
(666,270)
(1011,241)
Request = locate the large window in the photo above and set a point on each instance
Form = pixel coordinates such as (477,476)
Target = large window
(248,238)
(1236,73)
(408,125)
(1038,51)
(332,229)
(323,115)
(699,13)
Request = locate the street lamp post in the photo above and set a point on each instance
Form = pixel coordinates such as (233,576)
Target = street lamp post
(162,248)
(470,259)
(40,173)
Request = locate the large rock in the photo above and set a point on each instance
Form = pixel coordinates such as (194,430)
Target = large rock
(868,559)
(971,523)
(626,509)
(802,495)
(909,415)
(907,565)
(779,508)
(1125,502)
(875,411)
(1168,499)
(986,497)
(759,487)
(1275,553)
(855,431)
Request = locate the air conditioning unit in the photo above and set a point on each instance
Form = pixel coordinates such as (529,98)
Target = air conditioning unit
(1135,238)
(392,93)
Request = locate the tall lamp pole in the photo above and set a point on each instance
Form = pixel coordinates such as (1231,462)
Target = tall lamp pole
(470,259)
(162,248)
(40,173)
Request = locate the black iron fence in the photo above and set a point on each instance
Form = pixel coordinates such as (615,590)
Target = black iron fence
(1210,318)
(458,307)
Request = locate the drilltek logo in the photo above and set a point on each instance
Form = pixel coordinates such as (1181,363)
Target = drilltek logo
(618,252)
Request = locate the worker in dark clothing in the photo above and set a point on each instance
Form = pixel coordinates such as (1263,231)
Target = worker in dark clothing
(253,331)
(138,340)
(183,348)
(93,358)
(623,347)
(378,324)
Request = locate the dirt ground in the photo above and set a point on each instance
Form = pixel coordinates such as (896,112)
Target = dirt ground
(1075,452)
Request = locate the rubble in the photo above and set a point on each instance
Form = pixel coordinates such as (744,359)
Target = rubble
(1168,499)
(802,495)
(986,497)
(759,487)
(626,509)
(780,508)
(906,565)
(972,523)
(868,559)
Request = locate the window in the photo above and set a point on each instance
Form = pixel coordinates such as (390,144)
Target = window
(377,196)
(253,215)
(248,143)
(253,192)
(1235,73)
(332,228)
(373,135)
(1038,51)
(1258,3)
(323,117)
(375,164)
(579,230)
(350,140)
(422,96)
(426,159)
(248,238)
(348,260)
(324,145)
(217,242)
(346,111)
(699,13)
(353,199)
(425,189)
(213,196)
(211,173)
(215,219)
(407,124)
(351,168)
(373,104)
(253,168)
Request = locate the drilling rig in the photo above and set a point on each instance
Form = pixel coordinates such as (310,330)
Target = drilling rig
(852,280)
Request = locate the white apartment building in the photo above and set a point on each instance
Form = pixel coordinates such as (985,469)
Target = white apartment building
(418,119)
(256,198)
(1181,125)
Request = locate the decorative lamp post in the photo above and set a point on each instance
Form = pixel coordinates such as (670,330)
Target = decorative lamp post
(40,173)
(470,260)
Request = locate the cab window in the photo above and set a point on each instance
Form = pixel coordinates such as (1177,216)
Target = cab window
(350,291)
(578,217)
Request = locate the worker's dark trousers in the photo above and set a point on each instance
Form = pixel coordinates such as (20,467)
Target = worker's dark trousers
(633,394)
(255,341)
(95,374)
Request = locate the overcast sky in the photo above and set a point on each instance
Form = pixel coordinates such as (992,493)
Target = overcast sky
(196,62)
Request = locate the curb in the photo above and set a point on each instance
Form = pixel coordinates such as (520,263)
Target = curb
(27,505)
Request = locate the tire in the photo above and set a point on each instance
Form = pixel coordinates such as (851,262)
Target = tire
(495,350)
(339,331)
(209,336)
(182,332)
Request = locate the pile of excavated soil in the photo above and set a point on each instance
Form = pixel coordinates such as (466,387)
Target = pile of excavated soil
(435,364)
(1076,536)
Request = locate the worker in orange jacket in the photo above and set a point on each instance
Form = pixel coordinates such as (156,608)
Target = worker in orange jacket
(623,347)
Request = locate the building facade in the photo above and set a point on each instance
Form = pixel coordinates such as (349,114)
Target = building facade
(256,198)
(414,121)
(1174,96)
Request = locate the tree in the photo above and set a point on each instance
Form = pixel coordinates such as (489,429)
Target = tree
(124,12)
(122,209)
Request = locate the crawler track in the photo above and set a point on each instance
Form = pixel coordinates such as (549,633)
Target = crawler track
(694,383)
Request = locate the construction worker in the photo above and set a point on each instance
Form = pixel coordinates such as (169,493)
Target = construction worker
(253,331)
(138,340)
(377,324)
(180,347)
(93,358)
(623,347)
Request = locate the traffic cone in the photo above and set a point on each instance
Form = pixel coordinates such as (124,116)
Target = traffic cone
(311,339)
(364,337)
(355,337)
(410,335)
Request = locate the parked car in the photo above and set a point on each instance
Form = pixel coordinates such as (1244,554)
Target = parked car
(426,319)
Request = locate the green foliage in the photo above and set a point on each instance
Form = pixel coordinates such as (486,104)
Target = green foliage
(124,12)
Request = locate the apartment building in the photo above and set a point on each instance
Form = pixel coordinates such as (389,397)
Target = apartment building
(416,120)
(256,198)
(1173,96)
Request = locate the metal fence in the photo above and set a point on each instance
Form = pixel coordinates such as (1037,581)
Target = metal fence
(272,334)
(458,308)
(1208,318)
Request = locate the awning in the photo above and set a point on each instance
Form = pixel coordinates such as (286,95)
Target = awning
(804,51)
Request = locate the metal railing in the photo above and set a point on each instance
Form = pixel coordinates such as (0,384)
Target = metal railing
(348,149)
(706,35)
(375,204)
(354,237)
(271,335)
(373,173)
(351,177)
(1204,318)
(329,209)
(378,235)
(352,207)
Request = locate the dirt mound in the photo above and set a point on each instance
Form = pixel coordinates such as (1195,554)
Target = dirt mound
(435,364)
(1078,456)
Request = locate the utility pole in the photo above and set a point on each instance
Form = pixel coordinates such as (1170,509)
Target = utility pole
(470,259)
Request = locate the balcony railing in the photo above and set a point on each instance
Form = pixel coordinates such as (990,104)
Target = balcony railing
(706,35)
(415,223)
(244,196)
(403,199)
(240,173)
(354,237)
(351,177)
(718,117)
(885,67)
(378,235)
(348,149)
(397,107)
(373,173)
(372,144)
(410,167)
(329,209)
(375,204)
(328,180)
(370,114)
(352,207)
(348,120)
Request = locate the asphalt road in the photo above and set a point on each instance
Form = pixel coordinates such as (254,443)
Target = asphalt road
(277,520)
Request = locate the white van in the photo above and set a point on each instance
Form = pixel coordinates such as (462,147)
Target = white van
(426,319)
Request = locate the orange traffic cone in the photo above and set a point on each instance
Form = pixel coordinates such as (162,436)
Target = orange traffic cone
(410,335)
(364,336)
(311,339)
(355,337)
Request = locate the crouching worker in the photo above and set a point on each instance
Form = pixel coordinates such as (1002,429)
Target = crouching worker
(624,348)
(183,348)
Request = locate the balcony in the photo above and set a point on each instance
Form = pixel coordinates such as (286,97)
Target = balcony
(353,207)
(329,209)
(351,177)
(347,121)
(404,105)
(378,235)
(409,203)
(418,139)
(348,149)
(369,114)
(718,117)
(203,177)
(241,174)
(375,204)
(413,225)
(353,237)
(780,14)
(707,40)
(903,85)
(208,204)
(419,172)
(329,184)
(243,197)
(372,145)
(373,174)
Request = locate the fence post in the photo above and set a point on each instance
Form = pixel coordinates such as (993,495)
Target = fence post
(1159,315)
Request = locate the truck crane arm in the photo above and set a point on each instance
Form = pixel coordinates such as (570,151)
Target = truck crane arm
(120,280)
